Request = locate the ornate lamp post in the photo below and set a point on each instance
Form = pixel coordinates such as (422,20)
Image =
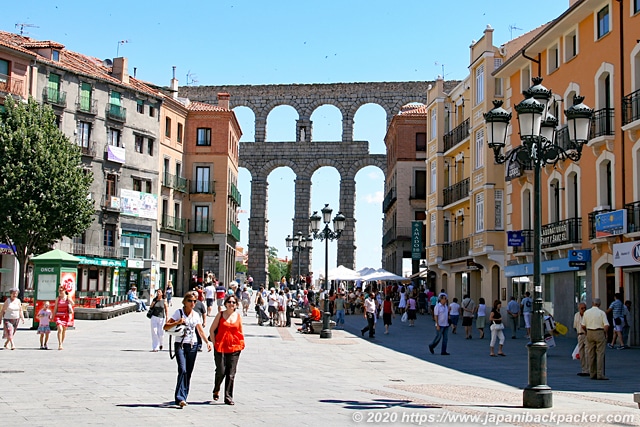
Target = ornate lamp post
(538,149)
(298,243)
(326,234)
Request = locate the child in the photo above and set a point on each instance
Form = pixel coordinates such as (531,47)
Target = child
(44,317)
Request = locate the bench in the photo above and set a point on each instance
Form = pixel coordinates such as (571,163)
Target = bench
(636,398)
(104,313)
(317,326)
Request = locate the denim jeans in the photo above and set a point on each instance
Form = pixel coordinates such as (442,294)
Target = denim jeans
(339,317)
(186,358)
(441,333)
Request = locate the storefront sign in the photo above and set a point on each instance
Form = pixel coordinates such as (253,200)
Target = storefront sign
(6,249)
(626,254)
(416,240)
(514,170)
(611,223)
(555,234)
(135,263)
(102,262)
(514,238)
(579,258)
(546,267)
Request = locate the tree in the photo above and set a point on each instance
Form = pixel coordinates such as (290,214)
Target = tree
(43,189)
(240,267)
(277,268)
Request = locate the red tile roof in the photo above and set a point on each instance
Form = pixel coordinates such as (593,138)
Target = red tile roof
(72,61)
(203,106)
(413,109)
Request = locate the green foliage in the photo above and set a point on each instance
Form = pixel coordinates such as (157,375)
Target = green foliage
(240,267)
(43,189)
(277,268)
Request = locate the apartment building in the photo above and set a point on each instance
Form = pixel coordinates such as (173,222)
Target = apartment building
(591,50)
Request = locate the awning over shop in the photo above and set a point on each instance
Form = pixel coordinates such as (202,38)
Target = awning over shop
(102,262)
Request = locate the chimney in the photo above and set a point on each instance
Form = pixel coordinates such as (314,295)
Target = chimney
(223,100)
(174,85)
(120,70)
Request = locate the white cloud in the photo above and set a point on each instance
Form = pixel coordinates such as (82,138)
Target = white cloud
(375,198)
(375,174)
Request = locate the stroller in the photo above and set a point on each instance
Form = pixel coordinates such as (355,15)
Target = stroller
(261,314)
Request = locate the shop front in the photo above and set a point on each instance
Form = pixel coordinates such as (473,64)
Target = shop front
(143,274)
(98,277)
(626,256)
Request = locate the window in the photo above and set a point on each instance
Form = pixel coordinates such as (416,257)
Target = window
(420,183)
(163,252)
(53,88)
(603,21)
(498,195)
(85,96)
(480,84)
(570,45)
(202,179)
(148,188)
(202,219)
(167,127)
(110,185)
(497,63)
(84,133)
(142,185)
(175,255)
(4,71)
(479,212)
(432,181)
(179,133)
(113,137)
(421,141)
(109,239)
(139,144)
(140,106)
(434,124)
(152,111)
(134,245)
(150,147)
(636,6)
(137,184)
(203,136)
(498,87)
(432,229)
(480,148)
(525,79)
(553,58)
(55,55)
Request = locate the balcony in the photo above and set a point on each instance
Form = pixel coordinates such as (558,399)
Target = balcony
(91,250)
(455,250)
(631,107)
(565,232)
(234,194)
(110,203)
(457,191)
(592,222)
(172,223)
(116,112)
(389,200)
(602,123)
(54,96)
(202,187)
(176,182)
(633,217)
(456,136)
(89,150)
(86,105)
(527,243)
(234,231)
(418,193)
(201,226)
(398,233)
(11,85)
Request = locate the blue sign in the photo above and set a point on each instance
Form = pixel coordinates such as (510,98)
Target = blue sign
(514,238)
(582,255)
(611,223)
(546,267)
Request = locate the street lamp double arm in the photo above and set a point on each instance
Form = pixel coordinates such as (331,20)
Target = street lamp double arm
(298,243)
(539,148)
(326,234)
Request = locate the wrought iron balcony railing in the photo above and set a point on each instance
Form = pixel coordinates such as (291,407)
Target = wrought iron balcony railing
(234,231)
(456,192)
(631,107)
(54,96)
(90,250)
(592,222)
(11,85)
(602,123)
(202,187)
(455,250)
(201,226)
(527,242)
(176,182)
(86,105)
(88,150)
(234,194)
(456,136)
(172,223)
(116,112)
(633,216)
(560,233)
(418,193)
(389,199)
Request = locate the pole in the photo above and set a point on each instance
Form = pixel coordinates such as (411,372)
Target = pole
(537,394)
(299,255)
(326,330)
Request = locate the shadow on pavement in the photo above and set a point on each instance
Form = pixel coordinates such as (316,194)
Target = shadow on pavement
(378,404)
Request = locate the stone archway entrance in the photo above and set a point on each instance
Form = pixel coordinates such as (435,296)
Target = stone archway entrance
(305,155)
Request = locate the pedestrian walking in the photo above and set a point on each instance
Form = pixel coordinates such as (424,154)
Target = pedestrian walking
(527,311)
(582,339)
(412,308)
(339,307)
(158,313)
(513,310)
(441,314)
(226,331)
(44,318)
(481,311)
(11,315)
(454,315)
(497,327)
(169,292)
(626,330)
(186,347)
(370,315)
(387,313)
(595,324)
(617,309)
(62,312)
(468,311)
(403,300)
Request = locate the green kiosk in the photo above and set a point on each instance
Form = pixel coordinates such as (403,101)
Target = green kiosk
(51,270)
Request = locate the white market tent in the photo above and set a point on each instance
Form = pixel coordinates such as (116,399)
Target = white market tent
(342,273)
(382,274)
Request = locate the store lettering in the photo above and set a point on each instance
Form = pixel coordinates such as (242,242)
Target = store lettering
(47,269)
(554,234)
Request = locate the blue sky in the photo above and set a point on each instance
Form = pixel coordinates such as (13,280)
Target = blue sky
(256,42)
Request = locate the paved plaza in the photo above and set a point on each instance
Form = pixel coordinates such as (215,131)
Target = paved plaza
(107,376)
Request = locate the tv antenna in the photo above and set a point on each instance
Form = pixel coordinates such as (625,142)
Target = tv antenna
(118,49)
(191,78)
(24,25)
(511,28)
(443,73)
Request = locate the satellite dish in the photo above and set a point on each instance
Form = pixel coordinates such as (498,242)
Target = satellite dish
(107,62)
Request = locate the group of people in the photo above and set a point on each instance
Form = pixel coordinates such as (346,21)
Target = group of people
(12,314)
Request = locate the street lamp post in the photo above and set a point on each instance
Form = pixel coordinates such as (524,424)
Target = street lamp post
(326,234)
(298,243)
(539,148)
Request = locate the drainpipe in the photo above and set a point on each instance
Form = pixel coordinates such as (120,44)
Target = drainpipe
(537,61)
(622,80)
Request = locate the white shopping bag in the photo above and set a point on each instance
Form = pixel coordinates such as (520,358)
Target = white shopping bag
(551,342)
(576,353)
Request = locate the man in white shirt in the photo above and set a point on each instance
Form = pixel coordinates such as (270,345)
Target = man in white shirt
(513,310)
(577,325)
(370,315)
(441,314)
(468,310)
(595,324)
(210,296)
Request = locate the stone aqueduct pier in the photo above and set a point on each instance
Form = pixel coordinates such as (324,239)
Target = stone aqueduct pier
(304,156)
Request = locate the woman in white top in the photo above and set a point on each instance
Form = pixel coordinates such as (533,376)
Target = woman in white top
(11,314)
(186,346)
(481,309)
(403,300)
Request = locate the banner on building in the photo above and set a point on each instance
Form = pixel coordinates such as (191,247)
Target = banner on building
(611,223)
(136,203)
(416,240)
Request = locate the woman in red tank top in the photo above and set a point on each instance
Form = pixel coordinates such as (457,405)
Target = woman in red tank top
(226,331)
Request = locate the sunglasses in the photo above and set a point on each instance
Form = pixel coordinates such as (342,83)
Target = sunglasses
(191,300)
(232,302)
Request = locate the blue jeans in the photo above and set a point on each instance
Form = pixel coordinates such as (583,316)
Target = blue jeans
(339,317)
(186,359)
(442,333)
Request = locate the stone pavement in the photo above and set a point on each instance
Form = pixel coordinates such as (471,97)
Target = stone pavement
(107,376)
